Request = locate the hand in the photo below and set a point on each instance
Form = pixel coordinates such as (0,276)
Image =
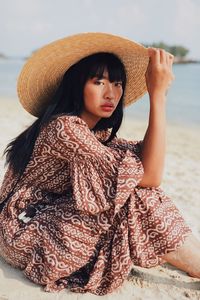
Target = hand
(159,75)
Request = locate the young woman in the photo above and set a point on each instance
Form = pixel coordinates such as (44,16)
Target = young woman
(79,206)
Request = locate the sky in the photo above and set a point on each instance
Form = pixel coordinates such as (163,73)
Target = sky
(27,25)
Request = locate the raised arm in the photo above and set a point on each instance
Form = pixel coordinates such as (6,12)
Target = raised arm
(158,78)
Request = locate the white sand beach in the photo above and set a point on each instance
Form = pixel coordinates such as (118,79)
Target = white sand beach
(181,181)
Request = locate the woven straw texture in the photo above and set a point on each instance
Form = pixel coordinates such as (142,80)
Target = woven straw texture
(44,70)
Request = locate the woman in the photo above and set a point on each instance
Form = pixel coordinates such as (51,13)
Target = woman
(80,206)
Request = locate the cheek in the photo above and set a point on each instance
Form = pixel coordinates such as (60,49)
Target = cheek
(89,101)
(119,94)
(91,95)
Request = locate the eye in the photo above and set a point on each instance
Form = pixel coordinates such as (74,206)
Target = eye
(99,82)
(118,83)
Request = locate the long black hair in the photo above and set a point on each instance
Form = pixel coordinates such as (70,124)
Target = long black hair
(68,99)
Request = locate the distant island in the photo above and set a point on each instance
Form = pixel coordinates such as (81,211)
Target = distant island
(180,53)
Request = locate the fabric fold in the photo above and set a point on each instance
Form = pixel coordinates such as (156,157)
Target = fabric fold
(98,187)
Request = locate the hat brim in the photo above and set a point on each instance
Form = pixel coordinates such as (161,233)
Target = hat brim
(44,70)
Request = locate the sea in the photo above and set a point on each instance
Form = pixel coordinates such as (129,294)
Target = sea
(183,99)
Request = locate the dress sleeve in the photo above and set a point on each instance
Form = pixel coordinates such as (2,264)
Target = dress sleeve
(98,173)
(123,144)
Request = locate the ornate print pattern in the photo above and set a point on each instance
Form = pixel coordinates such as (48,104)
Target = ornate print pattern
(92,220)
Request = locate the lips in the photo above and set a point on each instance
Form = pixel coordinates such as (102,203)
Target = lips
(107,105)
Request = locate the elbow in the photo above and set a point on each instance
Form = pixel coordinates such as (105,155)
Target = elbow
(149,181)
(149,185)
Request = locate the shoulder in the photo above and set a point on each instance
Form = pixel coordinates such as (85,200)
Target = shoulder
(67,129)
(70,135)
(65,124)
(67,120)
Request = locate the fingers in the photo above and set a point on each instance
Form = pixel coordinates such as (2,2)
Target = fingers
(160,56)
(170,60)
(159,75)
(154,55)
(163,56)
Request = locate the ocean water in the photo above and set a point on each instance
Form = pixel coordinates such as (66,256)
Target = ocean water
(183,101)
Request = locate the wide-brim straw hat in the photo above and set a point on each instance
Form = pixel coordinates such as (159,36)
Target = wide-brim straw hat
(43,71)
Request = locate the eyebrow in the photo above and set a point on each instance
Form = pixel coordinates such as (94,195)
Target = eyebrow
(106,77)
(101,77)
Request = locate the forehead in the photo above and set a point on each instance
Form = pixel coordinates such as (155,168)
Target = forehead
(104,75)
(112,72)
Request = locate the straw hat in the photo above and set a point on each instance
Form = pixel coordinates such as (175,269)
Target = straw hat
(44,70)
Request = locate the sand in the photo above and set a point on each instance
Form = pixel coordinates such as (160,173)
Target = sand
(181,181)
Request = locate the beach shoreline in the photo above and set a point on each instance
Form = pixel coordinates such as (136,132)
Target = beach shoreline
(181,182)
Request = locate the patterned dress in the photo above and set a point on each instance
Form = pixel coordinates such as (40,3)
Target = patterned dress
(92,220)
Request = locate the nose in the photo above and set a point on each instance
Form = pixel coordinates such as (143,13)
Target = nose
(109,91)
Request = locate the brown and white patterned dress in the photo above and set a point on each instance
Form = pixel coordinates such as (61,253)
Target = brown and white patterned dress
(92,222)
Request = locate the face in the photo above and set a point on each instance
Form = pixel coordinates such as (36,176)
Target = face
(101,98)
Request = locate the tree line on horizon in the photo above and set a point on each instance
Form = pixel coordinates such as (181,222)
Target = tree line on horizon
(177,50)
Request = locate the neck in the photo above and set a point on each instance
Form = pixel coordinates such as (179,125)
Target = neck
(91,120)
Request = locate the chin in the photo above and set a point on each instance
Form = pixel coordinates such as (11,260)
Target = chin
(106,115)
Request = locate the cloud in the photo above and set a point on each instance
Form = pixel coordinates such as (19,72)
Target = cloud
(130,13)
(187,18)
(187,24)
(29,24)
